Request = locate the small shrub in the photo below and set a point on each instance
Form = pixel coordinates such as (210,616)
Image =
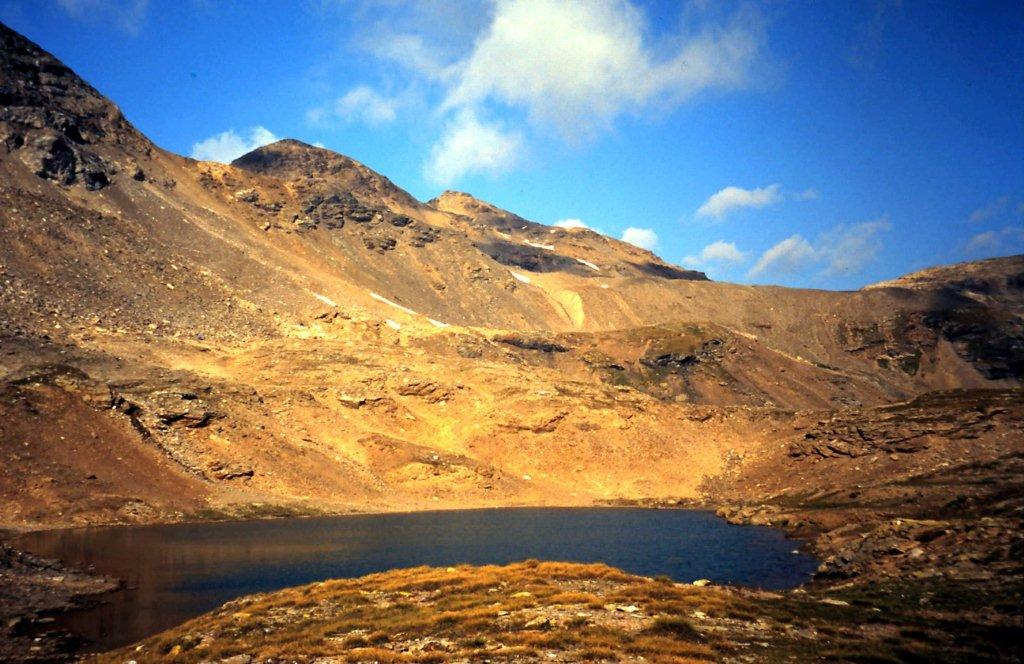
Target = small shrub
(676,627)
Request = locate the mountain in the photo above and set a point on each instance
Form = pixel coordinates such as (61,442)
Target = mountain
(293,333)
(294,329)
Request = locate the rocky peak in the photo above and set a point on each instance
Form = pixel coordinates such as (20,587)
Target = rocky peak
(292,158)
(482,212)
(56,123)
(323,170)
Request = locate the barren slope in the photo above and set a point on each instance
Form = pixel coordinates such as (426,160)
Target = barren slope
(295,332)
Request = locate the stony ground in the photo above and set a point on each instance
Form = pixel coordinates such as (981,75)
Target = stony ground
(32,589)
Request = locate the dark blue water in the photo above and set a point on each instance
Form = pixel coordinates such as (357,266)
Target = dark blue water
(179,571)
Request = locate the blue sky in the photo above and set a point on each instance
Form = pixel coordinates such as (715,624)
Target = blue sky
(819,144)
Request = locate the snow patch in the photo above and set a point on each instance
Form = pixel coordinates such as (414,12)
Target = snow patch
(521,277)
(546,247)
(504,235)
(604,285)
(588,264)
(437,323)
(381,298)
(394,325)
(326,300)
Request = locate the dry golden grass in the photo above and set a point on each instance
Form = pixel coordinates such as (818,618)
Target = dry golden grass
(510,613)
(560,612)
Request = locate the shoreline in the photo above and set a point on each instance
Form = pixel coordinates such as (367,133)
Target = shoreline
(58,641)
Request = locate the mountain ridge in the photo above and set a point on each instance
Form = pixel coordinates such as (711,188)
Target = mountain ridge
(295,330)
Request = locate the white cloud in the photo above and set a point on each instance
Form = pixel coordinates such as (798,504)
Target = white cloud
(806,195)
(725,201)
(579,65)
(410,51)
(844,249)
(570,223)
(791,255)
(1007,240)
(645,238)
(367,105)
(425,36)
(129,15)
(719,252)
(849,248)
(575,67)
(360,104)
(989,210)
(988,241)
(227,146)
(468,146)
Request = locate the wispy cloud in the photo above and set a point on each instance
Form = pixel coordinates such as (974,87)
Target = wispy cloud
(989,210)
(469,145)
(228,145)
(127,15)
(645,238)
(1005,241)
(869,40)
(844,249)
(413,53)
(360,104)
(848,248)
(790,255)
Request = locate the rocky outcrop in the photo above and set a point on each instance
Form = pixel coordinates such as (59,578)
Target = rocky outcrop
(537,343)
(904,428)
(32,589)
(55,123)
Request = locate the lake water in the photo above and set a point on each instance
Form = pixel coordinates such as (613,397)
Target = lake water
(175,572)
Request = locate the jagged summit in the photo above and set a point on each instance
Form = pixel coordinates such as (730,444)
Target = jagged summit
(57,124)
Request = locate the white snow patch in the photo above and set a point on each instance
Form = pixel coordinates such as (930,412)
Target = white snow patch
(504,235)
(326,300)
(381,298)
(520,277)
(548,247)
(604,285)
(437,323)
(588,264)
(394,325)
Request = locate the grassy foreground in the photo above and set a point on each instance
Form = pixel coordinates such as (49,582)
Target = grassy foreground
(561,612)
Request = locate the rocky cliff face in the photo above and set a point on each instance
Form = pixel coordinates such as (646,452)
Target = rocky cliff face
(58,126)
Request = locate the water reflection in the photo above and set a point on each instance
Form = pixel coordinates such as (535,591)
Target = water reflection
(176,572)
